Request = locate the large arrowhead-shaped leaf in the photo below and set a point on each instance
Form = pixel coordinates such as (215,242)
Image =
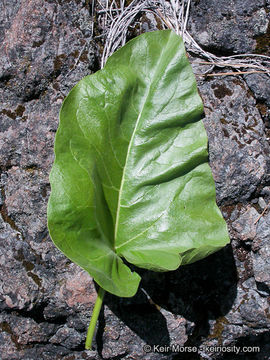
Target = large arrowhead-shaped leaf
(131,177)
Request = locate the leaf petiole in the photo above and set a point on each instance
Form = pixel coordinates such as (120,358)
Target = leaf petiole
(93,322)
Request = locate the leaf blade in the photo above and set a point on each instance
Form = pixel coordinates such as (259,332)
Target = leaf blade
(132,139)
(72,221)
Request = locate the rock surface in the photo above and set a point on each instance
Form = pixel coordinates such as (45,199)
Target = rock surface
(45,300)
(228,27)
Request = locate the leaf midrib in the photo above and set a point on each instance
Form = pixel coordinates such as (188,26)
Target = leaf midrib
(132,138)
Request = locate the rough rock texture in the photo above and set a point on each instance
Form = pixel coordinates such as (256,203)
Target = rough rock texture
(236,131)
(228,27)
(45,300)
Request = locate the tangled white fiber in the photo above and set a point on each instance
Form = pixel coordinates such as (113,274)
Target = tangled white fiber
(117,17)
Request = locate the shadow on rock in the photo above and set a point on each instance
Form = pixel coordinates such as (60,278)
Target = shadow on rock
(198,292)
(140,316)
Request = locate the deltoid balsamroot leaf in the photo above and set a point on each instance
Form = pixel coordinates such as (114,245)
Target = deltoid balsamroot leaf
(131,177)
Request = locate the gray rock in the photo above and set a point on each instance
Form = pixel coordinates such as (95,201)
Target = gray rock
(67,337)
(249,308)
(266,191)
(261,266)
(245,226)
(262,232)
(237,141)
(262,203)
(19,283)
(228,27)
(259,84)
(261,255)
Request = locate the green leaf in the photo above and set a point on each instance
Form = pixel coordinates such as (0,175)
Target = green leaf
(131,178)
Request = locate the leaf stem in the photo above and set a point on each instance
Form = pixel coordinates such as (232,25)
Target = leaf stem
(93,322)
